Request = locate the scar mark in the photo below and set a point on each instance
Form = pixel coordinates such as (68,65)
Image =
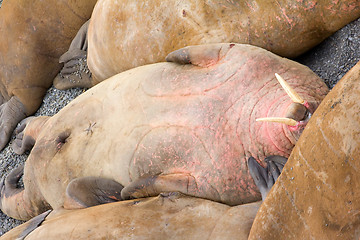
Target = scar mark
(89,130)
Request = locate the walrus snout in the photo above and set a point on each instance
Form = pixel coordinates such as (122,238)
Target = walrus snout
(298,112)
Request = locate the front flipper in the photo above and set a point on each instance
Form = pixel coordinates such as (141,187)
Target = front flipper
(33,224)
(200,55)
(265,178)
(75,72)
(11,113)
(176,182)
(15,203)
(26,133)
(90,191)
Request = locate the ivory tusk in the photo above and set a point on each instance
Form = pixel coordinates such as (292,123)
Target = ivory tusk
(291,92)
(287,121)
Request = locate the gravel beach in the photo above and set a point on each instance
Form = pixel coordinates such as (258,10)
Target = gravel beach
(330,60)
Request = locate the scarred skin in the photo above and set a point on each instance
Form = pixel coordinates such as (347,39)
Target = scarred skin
(33,36)
(134,33)
(168,127)
(164,217)
(317,195)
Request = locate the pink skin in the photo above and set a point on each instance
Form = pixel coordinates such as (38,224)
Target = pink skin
(191,130)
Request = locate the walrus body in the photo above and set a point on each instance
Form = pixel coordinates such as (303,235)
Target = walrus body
(162,217)
(33,36)
(126,34)
(168,127)
(317,195)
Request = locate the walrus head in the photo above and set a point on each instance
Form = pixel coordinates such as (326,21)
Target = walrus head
(297,114)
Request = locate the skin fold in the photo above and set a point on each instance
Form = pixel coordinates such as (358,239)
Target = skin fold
(317,194)
(171,126)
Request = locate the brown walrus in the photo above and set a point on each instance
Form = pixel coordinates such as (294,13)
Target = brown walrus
(317,195)
(186,126)
(33,36)
(168,216)
(126,34)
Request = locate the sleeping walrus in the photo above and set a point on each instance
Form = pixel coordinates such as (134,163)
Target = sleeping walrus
(126,34)
(33,36)
(171,216)
(168,216)
(317,195)
(186,126)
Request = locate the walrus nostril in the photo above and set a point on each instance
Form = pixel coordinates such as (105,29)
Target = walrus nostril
(62,138)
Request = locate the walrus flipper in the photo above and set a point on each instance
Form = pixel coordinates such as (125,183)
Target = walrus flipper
(26,133)
(13,200)
(265,178)
(200,55)
(90,191)
(75,72)
(11,112)
(177,182)
(33,224)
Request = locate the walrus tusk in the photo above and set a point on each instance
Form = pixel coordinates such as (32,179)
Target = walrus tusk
(291,92)
(287,121)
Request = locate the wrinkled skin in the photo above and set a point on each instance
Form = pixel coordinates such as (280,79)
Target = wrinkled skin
(317,195)
(33,36)
(135,33)
(168,216)
(167,127)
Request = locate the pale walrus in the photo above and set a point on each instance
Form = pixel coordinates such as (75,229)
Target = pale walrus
(33,36)
(126,34)
(317,195)
(186,126)
(170,215)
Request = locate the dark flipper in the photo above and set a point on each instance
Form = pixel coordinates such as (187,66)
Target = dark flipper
(9,186)
(18,202)
(11,194)
(27,133)
(11,113)
(90,191)
(22,142)
(75,72)
(265,178)
(32,224)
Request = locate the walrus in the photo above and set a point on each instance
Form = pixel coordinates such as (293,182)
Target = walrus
(126,34)
(168,216)
(187,125)
(317,195)
(34,34)
(172,215)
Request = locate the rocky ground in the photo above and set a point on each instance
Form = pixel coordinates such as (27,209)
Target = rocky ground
(330,60)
